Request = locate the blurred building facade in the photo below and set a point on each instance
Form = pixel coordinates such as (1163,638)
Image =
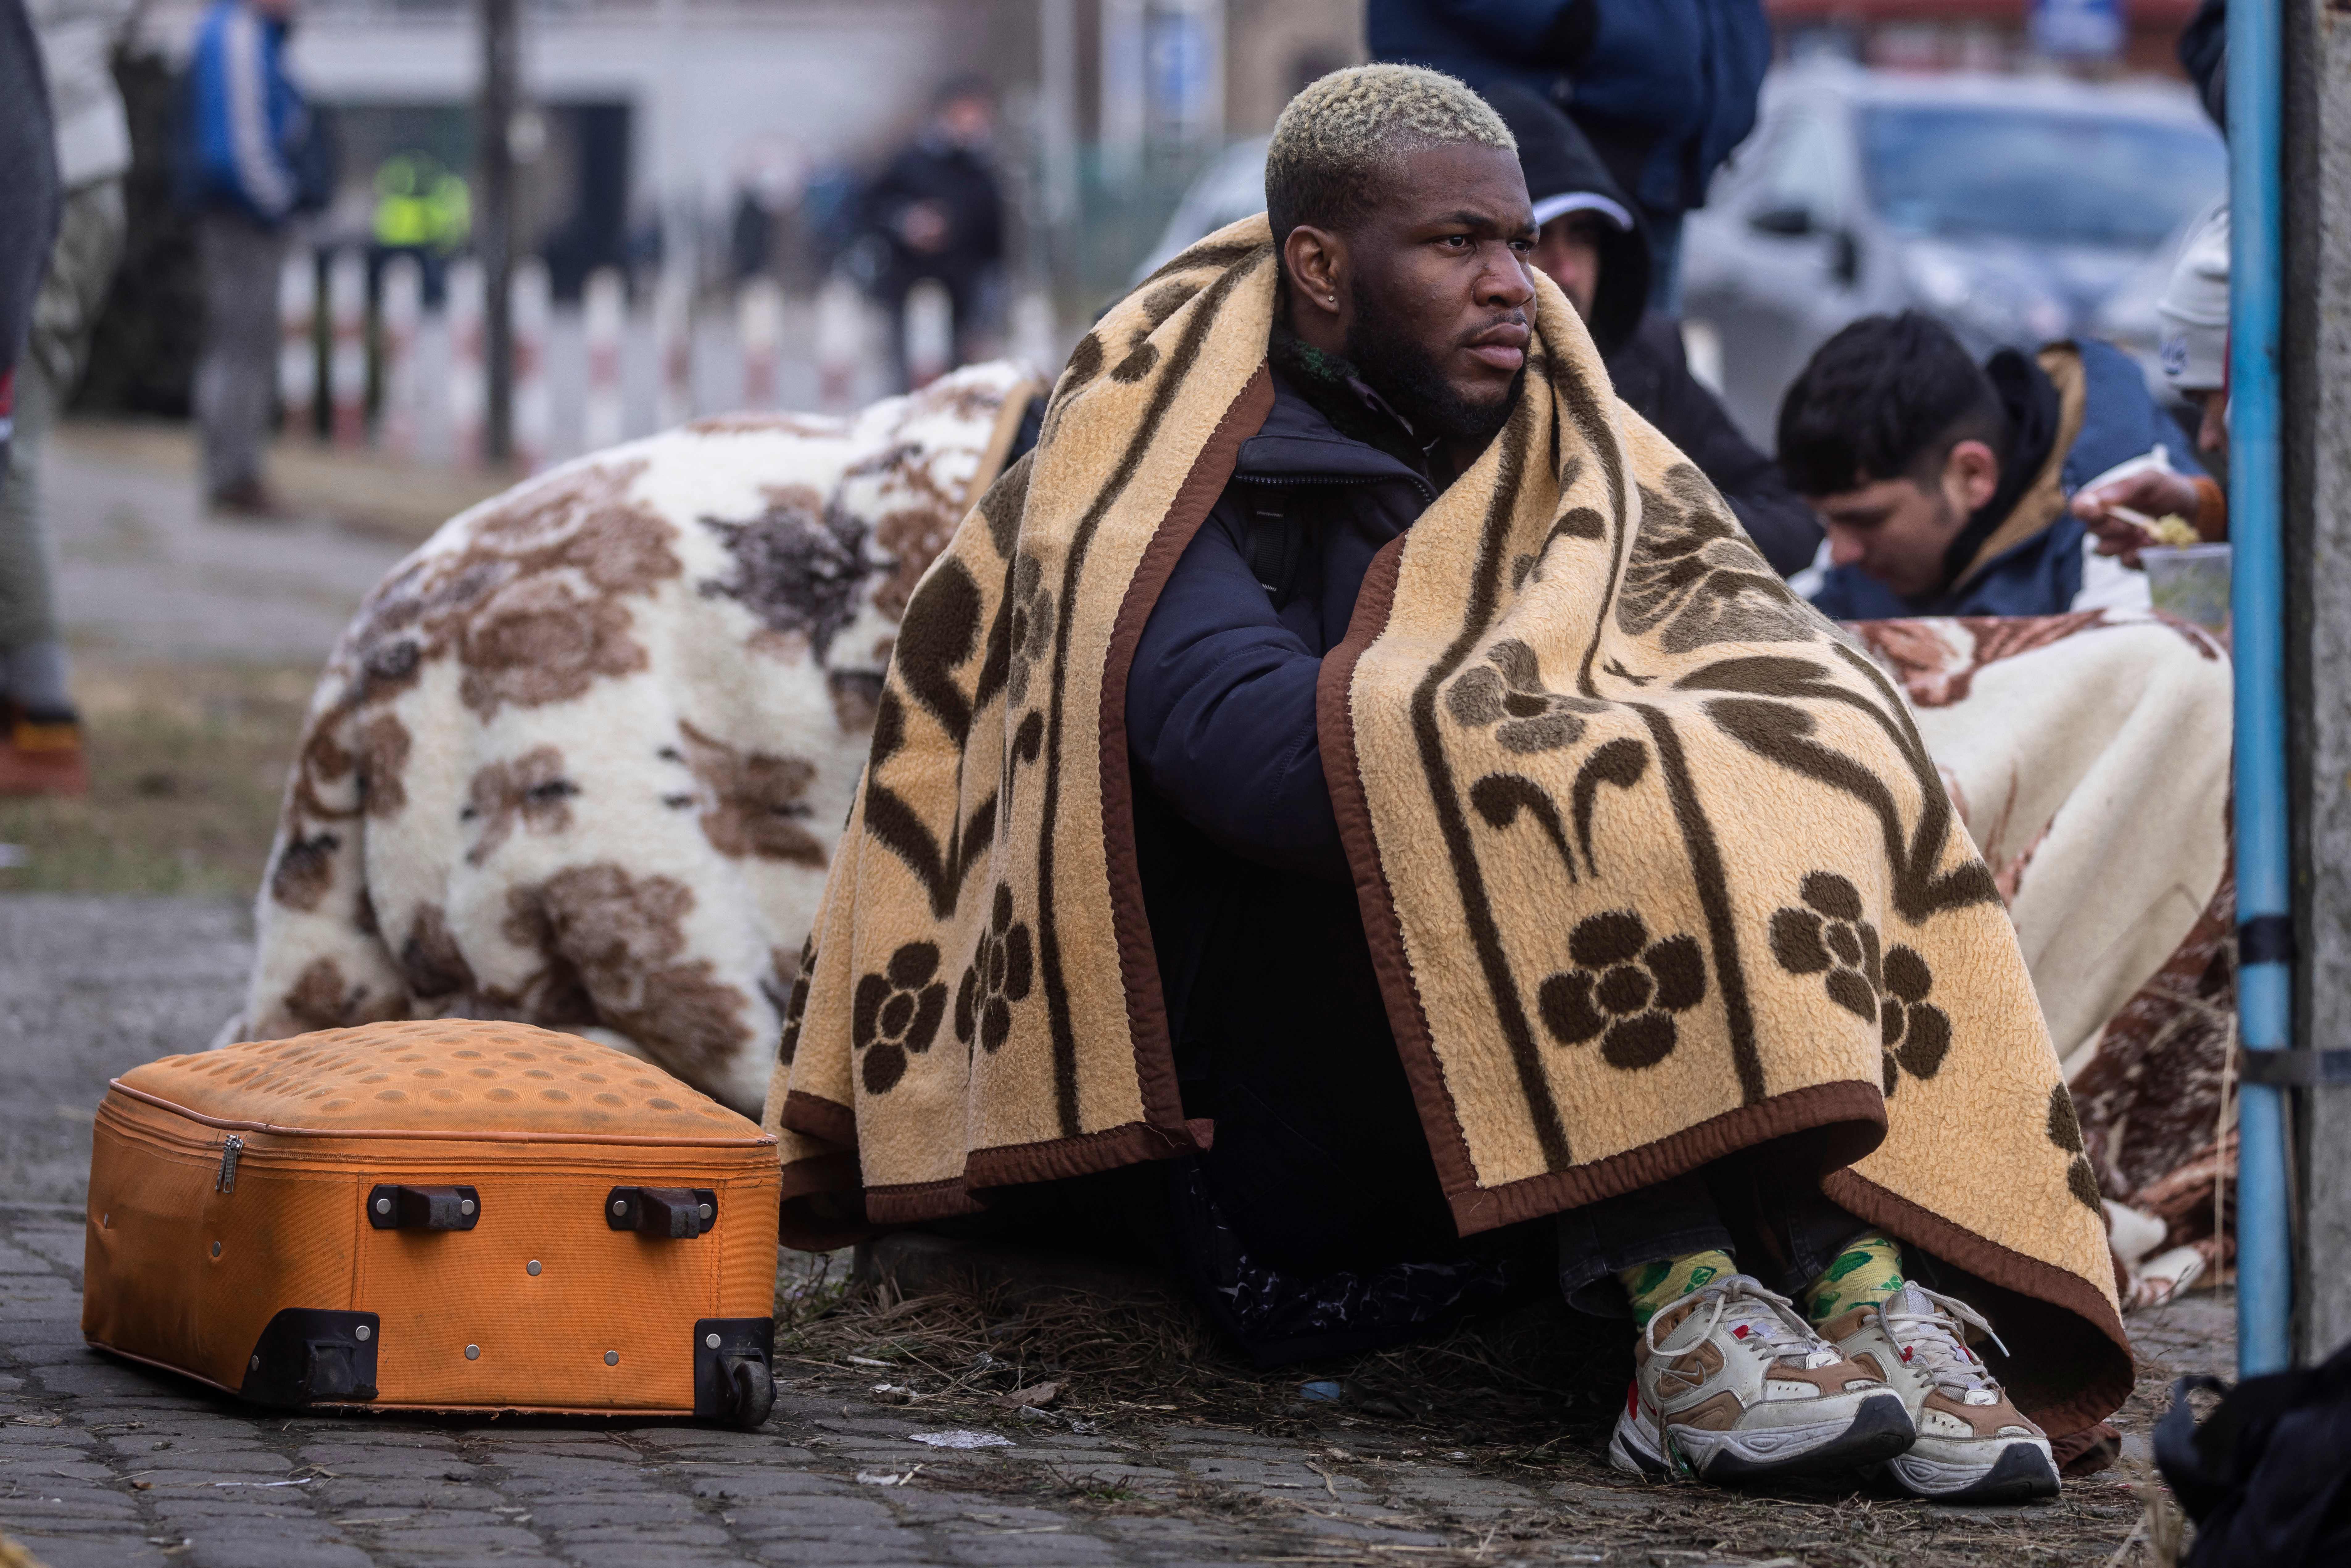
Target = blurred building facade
(656,123)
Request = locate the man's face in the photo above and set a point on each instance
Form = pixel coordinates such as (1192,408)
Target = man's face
(1568,253)
(1436,290)
(968,121)
(1898,530)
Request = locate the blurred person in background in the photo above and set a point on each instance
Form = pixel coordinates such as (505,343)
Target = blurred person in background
(257,160)
(40,734)
(1665,89)
(1595,245)
(1944,485)
(28,196)
(2194,349)
(939,214)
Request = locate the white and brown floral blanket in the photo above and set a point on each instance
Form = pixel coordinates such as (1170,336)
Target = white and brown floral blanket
(1654,862)
(581,759)
(2088,756)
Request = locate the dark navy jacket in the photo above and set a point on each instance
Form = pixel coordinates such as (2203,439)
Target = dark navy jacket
(1665,87)
(1273,1007)
(2041,575)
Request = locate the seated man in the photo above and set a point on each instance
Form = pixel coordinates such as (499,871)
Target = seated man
(1354,761)
(1595,247)
(1944,485)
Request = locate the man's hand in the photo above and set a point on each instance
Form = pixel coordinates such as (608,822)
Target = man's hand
(2155,493)
(924,226)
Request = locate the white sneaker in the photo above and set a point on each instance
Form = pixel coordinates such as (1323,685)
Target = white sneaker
(1973,1445)
(1732,1383)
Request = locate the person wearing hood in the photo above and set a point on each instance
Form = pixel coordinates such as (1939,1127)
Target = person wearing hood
(1946,487)
(1594,245)
(1665,89)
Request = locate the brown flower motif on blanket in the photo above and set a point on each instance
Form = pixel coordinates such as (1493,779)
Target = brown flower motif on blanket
(798,566)
(2065,1132)
(895,1013)
(530,788)
(1032,624)
(1693,573)
(751,802)
(1623,989)
(1827,935)
(797,1007)
(1002,971)
(1507,691)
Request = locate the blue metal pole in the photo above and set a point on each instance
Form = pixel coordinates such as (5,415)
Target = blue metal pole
(2264,984)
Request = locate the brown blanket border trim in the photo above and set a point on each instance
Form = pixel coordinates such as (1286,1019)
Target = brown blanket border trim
(817,1117)
(1334,721)
(1848,1116)
(1138,960)
(2062,1315)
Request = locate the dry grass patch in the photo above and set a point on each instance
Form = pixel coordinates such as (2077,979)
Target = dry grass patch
(1524,1397)
(187,762)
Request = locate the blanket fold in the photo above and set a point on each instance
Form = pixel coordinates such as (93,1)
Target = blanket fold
(1654,863)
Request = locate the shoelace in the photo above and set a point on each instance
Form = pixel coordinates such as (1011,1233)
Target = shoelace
(1775,1327)
(1931,1337)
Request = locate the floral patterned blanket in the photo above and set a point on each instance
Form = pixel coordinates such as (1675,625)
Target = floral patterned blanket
(1654,862)
(2088,757)
(581,759)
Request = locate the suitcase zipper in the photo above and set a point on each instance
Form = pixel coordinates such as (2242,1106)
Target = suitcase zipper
(230,1150)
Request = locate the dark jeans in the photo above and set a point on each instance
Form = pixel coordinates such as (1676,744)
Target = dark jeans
(1320,1163)
(1765,1211)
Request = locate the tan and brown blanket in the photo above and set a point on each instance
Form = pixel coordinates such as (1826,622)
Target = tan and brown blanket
(1653,860)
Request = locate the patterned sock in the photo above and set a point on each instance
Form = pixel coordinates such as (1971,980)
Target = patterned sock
(1869,1269)
(1654,1285)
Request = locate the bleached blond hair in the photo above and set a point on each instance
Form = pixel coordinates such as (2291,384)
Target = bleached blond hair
(1341,135)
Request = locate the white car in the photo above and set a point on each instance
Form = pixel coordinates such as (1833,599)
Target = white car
(2015,208)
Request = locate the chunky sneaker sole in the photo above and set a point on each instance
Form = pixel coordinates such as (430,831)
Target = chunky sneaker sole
(1878,1431)
(2024,1472)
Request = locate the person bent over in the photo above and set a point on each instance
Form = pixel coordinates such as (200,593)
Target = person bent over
(1944,485)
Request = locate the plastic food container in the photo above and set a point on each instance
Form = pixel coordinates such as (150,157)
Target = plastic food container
(2191,582)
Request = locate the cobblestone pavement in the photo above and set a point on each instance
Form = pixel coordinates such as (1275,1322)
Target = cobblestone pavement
(104,1465)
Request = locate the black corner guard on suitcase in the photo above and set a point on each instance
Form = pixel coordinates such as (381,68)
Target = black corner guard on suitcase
(732,1382)
(672,1213)
(311,1356)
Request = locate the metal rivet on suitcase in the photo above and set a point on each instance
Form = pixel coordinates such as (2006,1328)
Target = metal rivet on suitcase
(707,1211)
(216,1248)
(362,1332)
(711,1340)
(611,1358)
(253,1365)
(473,1352)
(531,1268)
(619,1206)
(466,1206)
(383,1205)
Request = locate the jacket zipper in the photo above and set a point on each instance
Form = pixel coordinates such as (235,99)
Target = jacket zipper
(1428,493)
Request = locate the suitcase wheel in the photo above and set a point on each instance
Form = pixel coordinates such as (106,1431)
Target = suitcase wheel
(732,1382)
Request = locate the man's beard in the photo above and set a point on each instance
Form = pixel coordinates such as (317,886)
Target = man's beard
(1409,377)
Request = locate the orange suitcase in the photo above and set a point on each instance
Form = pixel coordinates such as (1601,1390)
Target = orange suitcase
(439,1216)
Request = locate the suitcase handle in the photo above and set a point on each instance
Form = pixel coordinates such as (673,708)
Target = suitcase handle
(394,1208)
(665,1213)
